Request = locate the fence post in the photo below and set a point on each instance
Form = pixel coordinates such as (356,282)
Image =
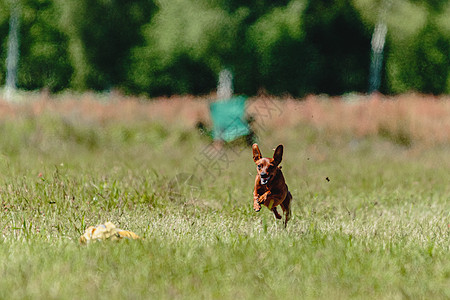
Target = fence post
(225,84)
(12,57)
(378,41)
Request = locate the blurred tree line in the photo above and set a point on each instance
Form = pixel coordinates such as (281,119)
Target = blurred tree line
(165,47)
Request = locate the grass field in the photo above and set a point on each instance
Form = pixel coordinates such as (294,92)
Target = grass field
(371,209)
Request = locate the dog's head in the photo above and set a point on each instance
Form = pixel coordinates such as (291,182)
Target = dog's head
(267,167)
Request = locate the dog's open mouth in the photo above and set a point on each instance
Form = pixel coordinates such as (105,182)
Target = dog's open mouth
(265,180)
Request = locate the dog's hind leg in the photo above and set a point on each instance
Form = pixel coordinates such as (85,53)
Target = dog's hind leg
(286,206)
(275,212)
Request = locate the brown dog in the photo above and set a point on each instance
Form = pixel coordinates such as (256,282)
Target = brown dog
(270,187)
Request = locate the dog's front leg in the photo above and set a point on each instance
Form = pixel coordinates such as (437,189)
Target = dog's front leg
(256,202)
(260,199)
(266,199)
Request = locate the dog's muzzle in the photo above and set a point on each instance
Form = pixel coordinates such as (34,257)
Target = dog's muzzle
(265,178)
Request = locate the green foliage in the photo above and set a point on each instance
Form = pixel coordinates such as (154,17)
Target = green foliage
(202,31)
(44,58)
(178,47)
(418,45)
(274,26)
(185,38)
(277,39)
(424,65)
(101,34)
(4,27)
(339,48)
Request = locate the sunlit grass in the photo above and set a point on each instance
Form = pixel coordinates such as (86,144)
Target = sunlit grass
(377,228)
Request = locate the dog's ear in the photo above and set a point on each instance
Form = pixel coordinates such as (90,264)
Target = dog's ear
(256,153)
(278,155)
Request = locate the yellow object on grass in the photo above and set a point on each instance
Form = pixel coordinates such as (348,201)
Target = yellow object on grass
(107,231)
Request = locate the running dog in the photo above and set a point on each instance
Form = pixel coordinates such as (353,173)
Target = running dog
(270,187)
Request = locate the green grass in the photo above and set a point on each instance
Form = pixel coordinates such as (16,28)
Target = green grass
(378,229)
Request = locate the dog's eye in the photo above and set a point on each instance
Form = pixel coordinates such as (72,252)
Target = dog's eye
(259,166)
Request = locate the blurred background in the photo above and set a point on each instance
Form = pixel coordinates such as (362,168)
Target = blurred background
(166,47)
